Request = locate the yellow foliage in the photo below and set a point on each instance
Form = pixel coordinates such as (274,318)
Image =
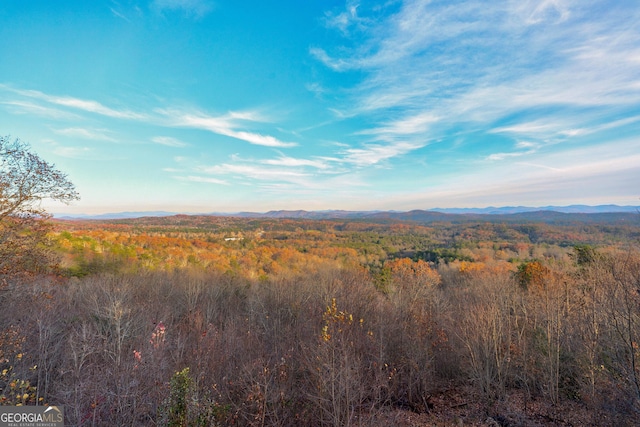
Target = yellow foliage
(471,267)
(335,318)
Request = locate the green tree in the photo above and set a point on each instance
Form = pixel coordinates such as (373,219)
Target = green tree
(584,254)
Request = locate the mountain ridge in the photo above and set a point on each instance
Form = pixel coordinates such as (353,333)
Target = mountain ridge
(373,214)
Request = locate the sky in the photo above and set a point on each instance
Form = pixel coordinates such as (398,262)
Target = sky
(201,106)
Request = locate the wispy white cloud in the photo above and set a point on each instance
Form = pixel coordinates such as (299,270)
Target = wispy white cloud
(168,141)
(26,107)
(337,64)
(254,172)
(232,124)
(93,107)
(285,175)
(74,152)
(393,138)
(405,35)
(295,162)
(81,104)
(477,63)
(345,19)
(257,139)
(502,156)
(526,144)
(412,124)
(315,88)
(539,166)
(521,148)
(203,179)
(93,134)
(529,128)
(543,128)
(226,125)
(536,72)
(372,154)
(535,11)
(119,14)
(590,175)
(548,128)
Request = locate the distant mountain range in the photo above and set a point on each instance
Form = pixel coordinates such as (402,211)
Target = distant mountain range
(520,209)
(116,215)
(437,214)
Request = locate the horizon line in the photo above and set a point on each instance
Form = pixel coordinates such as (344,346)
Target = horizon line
(160,213)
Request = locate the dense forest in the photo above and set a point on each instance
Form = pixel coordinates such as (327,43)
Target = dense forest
(210,320)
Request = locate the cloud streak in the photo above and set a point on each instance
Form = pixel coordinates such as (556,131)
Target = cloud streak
(82,133)
(423,99)
(590,175)
(294,162)
(255,172)
(74,152)
(372,154)
(471,63)
(231,124)
(168,141)
(226,125)
(202,179)
(81,104)
(26,107)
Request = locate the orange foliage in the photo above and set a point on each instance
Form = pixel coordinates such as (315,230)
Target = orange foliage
(471,267)
(409,271)
(533,275)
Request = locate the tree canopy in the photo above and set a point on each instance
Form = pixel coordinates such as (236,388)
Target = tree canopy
(26,180)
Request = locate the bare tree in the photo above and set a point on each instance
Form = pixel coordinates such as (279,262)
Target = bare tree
(26,180)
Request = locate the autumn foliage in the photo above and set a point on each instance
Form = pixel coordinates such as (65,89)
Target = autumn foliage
(210,321)
(25,180)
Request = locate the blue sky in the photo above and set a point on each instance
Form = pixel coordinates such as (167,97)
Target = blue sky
(226,106)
